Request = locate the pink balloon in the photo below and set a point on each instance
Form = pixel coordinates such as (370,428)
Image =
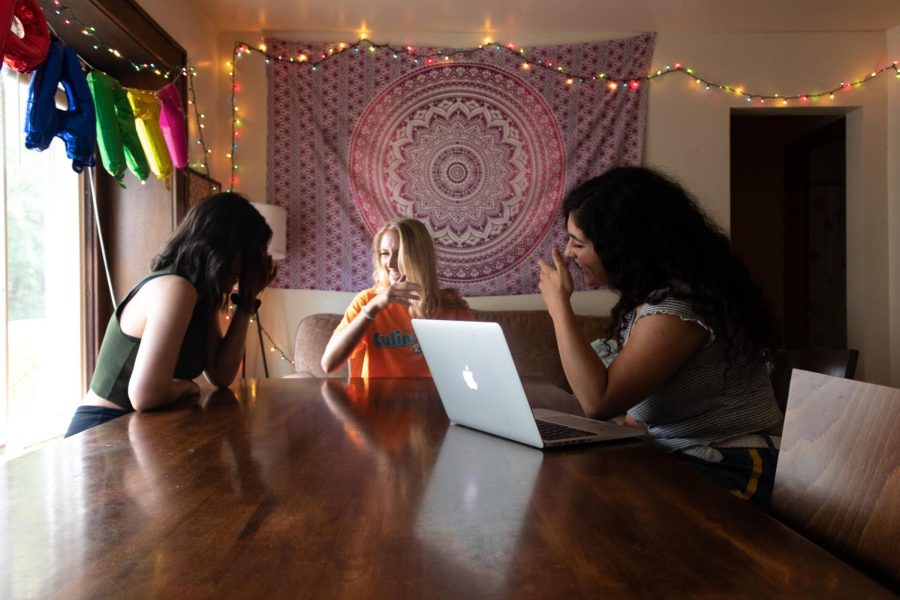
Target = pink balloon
(173,125)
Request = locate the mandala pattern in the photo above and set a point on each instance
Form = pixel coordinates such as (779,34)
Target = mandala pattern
(478,149)
(472,151)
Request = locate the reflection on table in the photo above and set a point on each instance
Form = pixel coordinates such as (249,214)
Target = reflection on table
(461,515)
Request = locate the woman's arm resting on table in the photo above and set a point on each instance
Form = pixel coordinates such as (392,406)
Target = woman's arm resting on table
(169,303)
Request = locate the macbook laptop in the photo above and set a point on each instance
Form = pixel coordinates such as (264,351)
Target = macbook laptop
(480,388)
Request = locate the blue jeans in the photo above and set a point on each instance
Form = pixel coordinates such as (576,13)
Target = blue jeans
(748,473)
(86,417)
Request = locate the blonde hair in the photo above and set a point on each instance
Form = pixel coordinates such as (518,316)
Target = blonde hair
(416,259)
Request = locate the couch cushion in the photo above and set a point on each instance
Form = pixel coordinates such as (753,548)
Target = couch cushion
(313,334)
(529,333)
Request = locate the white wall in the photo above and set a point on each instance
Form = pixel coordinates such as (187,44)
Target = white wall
(893,169)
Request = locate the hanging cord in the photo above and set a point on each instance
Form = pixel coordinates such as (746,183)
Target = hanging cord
(262,349)
(112,295)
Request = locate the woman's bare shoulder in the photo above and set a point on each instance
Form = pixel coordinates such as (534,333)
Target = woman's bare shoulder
(170,289)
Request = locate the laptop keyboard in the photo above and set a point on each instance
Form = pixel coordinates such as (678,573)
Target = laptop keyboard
(553,431)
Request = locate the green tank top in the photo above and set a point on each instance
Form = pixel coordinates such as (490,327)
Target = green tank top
(115,362)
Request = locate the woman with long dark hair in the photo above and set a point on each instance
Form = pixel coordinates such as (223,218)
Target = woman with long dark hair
(692,330)
(166,331)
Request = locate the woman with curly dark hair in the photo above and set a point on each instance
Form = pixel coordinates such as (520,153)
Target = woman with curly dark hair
(166,331)
(692,330)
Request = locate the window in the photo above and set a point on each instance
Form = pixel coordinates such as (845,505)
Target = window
(41,356)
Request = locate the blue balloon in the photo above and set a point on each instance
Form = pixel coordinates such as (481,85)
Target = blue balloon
(43,121)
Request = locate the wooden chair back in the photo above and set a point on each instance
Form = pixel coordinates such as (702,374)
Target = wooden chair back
(838,475)
(839,362)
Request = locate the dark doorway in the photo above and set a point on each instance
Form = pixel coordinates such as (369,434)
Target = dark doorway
(788,220)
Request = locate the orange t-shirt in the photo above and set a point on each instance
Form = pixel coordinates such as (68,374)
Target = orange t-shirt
(389,347)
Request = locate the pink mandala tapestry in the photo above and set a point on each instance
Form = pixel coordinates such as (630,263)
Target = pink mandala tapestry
(477,148)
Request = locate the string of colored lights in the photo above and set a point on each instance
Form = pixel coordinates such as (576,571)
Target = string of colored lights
(70,17)
(235,123)
(235,53)
(191,73)
(273,347)
(442,56)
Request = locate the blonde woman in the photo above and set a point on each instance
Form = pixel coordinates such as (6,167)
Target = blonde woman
(376,334)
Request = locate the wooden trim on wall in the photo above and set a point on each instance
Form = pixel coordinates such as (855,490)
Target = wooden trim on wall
(125,26)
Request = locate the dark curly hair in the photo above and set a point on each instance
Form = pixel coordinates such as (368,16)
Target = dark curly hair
(651,237)
(215,231)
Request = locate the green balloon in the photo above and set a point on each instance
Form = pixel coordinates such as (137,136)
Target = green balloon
(116,133)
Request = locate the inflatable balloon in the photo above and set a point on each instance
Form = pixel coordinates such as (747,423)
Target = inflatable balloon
(7,9)
(172,122)
(43,121)
(116,133)
(25,54)
(146,108)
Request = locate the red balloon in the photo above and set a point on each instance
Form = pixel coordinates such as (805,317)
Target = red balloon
(25,54)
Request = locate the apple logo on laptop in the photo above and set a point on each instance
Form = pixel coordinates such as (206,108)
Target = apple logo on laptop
(469,378)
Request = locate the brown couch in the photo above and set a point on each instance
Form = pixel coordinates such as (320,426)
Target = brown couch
(529,334)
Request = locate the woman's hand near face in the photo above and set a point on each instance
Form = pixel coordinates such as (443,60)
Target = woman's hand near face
(556,284)
(342,342)
(401,292)
(255,277)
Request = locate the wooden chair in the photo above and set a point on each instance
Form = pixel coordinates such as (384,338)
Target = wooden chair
(837,363)
(838,474)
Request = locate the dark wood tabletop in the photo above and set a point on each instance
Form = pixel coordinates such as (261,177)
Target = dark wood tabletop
(329,489)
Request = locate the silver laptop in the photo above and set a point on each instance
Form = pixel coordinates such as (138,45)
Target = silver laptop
(480,388)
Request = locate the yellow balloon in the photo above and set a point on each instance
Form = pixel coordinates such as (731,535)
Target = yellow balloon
(146,108)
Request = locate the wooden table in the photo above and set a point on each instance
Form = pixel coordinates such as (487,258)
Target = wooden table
(317,488)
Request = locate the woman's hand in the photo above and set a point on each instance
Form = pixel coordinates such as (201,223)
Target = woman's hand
(556,284)
(185,388)
(402,292)
(254,278)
